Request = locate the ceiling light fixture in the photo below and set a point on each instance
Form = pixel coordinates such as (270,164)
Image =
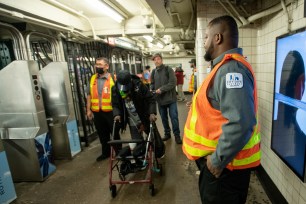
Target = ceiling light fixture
(148,38)
(110,12)
(160,45)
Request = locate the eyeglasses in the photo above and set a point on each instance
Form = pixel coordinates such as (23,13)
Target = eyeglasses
(100,65)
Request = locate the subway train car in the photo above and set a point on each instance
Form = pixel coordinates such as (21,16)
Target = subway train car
(48,50)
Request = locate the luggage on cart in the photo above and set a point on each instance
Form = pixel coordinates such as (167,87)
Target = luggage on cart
(143,156)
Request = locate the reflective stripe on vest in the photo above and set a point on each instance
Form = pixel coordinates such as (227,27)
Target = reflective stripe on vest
(106,97)
(200,140)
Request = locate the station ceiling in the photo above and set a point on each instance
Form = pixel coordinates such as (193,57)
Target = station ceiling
(167,26)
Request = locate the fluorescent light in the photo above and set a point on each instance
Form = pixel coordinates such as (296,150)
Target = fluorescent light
(148,38)
(160,45)
(104,8)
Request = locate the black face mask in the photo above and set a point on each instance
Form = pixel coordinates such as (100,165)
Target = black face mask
(100,70)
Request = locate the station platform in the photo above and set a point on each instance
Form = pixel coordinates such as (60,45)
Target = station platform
(82,180)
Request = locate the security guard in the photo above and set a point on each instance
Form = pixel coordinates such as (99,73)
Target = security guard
(221,131)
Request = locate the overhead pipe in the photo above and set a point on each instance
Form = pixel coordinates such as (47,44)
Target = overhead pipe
(241,18)
(53,41)
(19,44)
(289,21)
(190,21)
(264,13)
(62,6)
(192,16)
(41,22)
(230,13)
(254,17)
(178,17)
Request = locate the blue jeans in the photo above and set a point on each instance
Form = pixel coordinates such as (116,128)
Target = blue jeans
(163,111)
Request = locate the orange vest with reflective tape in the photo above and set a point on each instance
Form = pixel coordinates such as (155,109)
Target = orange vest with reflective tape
(106,97)
(204,125)
(191,84)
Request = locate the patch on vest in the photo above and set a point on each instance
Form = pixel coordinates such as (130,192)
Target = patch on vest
(234,80)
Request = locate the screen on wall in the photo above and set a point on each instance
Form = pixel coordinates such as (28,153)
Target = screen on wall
(289,106)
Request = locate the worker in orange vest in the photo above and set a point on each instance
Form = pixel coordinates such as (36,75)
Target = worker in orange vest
(193,78)
(221,131)
(99,106)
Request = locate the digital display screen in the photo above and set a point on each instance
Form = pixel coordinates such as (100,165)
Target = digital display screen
(289,104)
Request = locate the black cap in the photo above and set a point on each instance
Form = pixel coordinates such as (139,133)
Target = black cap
(157,55)
(124,77)
(192,61)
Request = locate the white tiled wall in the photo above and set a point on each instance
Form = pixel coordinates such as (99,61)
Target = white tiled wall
(259,47)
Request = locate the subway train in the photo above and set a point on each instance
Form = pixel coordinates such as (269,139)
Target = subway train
(48,50)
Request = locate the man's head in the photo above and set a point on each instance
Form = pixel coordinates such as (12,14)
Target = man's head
(192,63)
(102,65)
(124,82)
(148,67)
(221,35)
(158,59)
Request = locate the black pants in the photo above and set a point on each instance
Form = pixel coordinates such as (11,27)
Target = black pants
(104,122)
(230,188)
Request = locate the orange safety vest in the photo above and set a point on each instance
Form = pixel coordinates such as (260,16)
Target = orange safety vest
(106,97)
(191,84)
(204,125)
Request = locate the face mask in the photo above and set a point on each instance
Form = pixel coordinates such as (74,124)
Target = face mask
(100,70)
(123,90)
(123,94)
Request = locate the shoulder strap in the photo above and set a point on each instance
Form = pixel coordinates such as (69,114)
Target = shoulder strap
(167,67)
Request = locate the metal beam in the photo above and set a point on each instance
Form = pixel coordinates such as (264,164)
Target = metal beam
(161,12)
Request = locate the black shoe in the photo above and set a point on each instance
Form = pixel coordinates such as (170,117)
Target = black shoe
(101,157)
(166,137)
(178,140)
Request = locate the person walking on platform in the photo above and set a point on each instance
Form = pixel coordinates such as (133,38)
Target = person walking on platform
(193,78)
(222,131)
(179,73)
(99,107)
(163,81)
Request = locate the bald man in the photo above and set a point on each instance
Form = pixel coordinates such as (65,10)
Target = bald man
(221,131)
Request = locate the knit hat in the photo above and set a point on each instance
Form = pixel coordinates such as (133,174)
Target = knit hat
(124,77)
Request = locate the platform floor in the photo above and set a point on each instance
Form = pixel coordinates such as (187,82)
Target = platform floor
(82,180)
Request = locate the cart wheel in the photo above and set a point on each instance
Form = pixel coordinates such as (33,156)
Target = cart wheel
(152,189)
(113,189)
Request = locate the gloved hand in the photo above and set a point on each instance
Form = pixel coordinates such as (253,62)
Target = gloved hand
(117,118)
(153,117)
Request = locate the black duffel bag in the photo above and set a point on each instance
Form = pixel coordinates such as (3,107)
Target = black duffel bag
(158,145)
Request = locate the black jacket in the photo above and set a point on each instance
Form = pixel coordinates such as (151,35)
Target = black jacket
(142,98)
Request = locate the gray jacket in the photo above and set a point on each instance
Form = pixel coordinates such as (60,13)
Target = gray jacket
(163,78)
(236,105)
